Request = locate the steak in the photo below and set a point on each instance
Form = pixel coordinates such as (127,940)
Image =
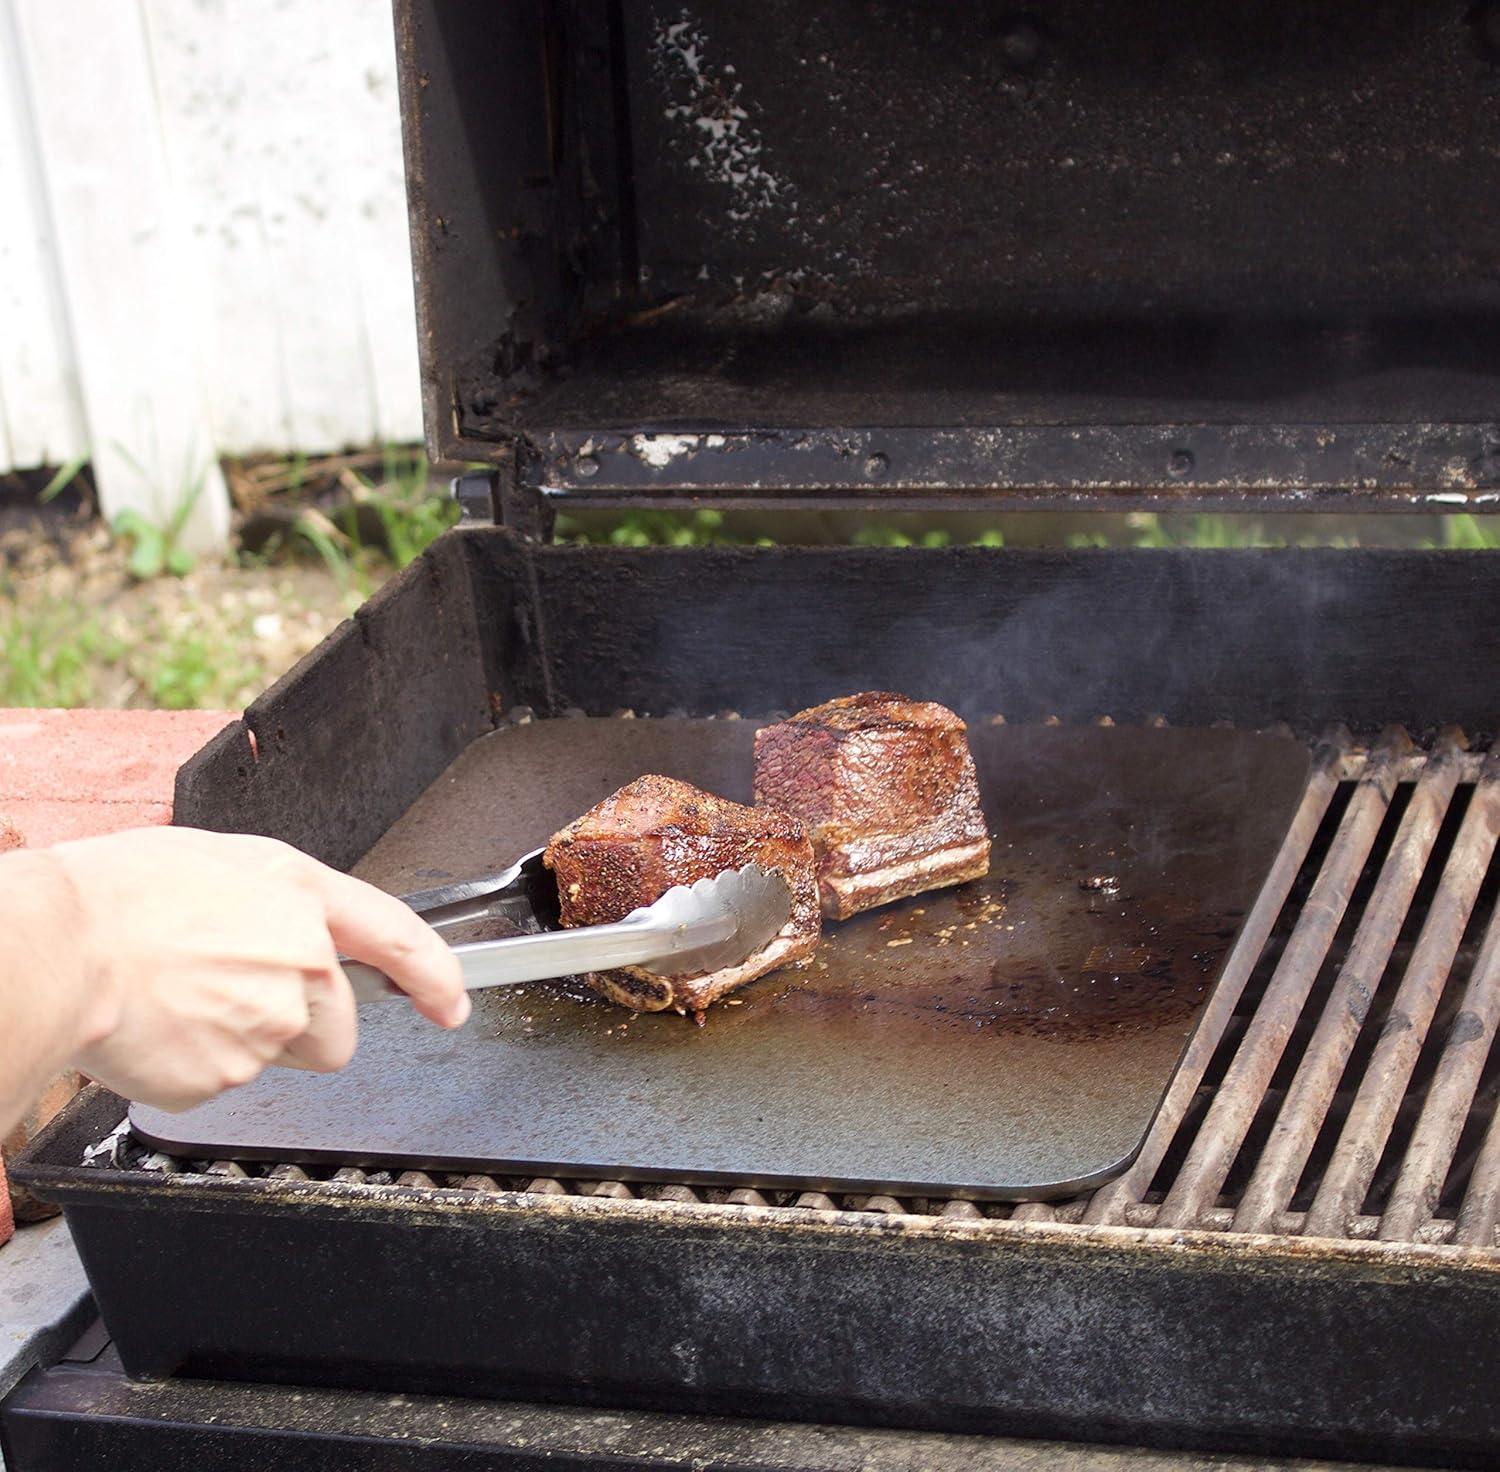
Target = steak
(887,788)
(655,833)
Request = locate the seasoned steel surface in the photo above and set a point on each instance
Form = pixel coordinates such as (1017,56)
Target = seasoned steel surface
(1011,1038)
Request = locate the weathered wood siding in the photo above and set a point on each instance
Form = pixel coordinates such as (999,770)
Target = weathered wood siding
(204,243)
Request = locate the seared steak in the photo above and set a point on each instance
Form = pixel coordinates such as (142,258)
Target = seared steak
(656,833)
(887,788)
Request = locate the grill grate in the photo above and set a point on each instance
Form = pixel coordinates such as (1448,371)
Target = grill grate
(1340,1082)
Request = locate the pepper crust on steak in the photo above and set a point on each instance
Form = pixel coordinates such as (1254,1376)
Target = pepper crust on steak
(655,833)
(888,790)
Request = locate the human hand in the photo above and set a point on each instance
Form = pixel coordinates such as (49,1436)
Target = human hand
(207,956)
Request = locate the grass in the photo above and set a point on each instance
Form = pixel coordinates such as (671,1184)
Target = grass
(154,544)
(61,479)
(411,517)
(180,637)
(338,551)
(51,658)
(191,670)
(1466,533)
(705,527)
(392,519)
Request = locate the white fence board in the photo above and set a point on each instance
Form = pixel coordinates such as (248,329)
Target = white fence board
(131,286)
(206,247)
(283,130)
(41,421)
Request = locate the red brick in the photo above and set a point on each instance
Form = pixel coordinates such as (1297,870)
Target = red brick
(53,1099)
(49,821)
(7,1217)
(74,773)
(99,755)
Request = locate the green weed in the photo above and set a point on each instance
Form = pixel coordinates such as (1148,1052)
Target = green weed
(410,515)
(411,526)
(338,550)
(51,658)
(191,671)
(61,479)
(1468,533)
(154,545)
(153,549)
(1150,530)
(702,528)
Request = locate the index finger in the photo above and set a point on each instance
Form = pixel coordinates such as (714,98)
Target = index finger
(369,925)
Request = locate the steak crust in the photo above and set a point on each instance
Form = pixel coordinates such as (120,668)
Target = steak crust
(655,833)
(887,788)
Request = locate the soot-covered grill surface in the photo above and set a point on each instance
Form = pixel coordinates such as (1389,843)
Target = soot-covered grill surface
(1141,254)
(1009,1038)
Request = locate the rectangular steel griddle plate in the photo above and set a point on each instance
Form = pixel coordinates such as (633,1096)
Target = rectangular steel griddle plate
(1011,1038)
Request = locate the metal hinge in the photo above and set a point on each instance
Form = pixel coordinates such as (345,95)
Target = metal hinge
(498,496)
(474,491)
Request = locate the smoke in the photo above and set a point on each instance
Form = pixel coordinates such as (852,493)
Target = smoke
(1196,637)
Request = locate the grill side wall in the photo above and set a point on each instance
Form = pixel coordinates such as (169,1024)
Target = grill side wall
(483,621)
(1308,636)
(344,742)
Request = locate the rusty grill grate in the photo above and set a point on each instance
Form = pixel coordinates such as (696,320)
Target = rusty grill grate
(1340,1084)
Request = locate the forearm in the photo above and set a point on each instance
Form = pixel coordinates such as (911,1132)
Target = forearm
(47,1011)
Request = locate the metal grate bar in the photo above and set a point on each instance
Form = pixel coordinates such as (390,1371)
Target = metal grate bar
(1415,1195)
(1434,1232)
(1110,1203)
(1346,1180)
(1411,766)
(1311,1093)
(1234,1107)
(1481,1208)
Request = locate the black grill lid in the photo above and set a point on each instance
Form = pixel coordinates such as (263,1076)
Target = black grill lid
(1124,253)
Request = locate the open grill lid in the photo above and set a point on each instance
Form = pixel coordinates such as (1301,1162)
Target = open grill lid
(1108,255)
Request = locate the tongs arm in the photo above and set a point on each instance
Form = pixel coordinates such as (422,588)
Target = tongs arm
(525,894)
(516,959)
(691,929)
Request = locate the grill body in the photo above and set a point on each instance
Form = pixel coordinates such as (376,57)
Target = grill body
(899,1314)
(876,257)
(488,621)
(85,1413)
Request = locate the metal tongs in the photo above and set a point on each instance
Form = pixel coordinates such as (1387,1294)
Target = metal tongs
(691,929)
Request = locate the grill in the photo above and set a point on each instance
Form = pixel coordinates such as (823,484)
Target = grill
(871,258)
(1373,940)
